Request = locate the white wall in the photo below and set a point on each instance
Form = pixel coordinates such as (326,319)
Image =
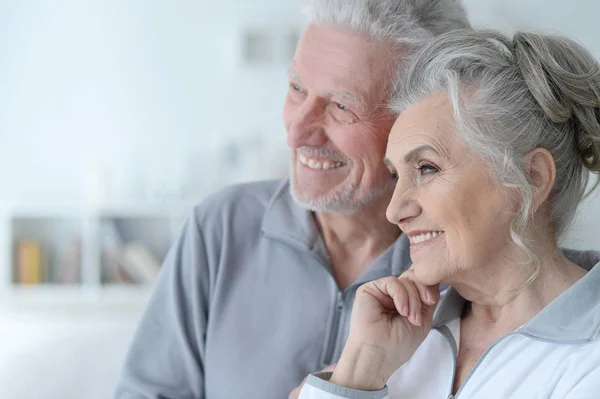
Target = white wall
(143,95)
(137,99)
(135,91)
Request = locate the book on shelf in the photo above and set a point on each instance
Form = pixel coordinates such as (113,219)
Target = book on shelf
(139,263)
(70,272)
(29,263)
(125,263)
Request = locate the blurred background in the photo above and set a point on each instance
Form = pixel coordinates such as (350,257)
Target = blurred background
(116,117)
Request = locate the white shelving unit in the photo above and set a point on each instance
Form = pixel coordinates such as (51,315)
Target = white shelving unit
(74,244)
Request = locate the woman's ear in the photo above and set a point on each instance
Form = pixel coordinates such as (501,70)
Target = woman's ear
(542,173)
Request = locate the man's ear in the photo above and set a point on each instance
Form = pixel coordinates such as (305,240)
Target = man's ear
(541,171)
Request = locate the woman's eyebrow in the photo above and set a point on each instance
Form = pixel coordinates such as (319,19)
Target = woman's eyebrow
(414,153)
(411,155)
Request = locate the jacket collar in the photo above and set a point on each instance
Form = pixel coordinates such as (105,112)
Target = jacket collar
(574,316)
(286,221)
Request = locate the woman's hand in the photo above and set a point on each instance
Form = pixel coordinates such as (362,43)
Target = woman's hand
(390,319)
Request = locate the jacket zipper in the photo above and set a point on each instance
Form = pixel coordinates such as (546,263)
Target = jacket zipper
(481,359)
(445,331)
(334,329)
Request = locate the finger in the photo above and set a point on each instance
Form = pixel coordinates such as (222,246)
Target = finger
(433,292)
(421,288)
(429,294)
(376,289)
(429,310)
(414,301)
(391,288)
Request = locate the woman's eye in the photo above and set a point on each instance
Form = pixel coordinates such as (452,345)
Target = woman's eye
(427,169)
(341,106)
(295,87)
(393,175)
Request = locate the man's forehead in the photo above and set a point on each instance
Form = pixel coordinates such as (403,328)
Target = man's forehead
(335,37)
(346,49)
(346,72)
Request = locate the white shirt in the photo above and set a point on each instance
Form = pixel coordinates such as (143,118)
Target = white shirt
(555,355)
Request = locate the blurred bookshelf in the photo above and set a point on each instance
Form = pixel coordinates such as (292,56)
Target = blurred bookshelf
(68,256)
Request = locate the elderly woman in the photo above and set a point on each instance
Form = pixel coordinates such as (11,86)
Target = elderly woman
(491,152)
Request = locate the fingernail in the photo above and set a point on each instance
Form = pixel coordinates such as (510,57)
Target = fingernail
(429,297)
(415,319)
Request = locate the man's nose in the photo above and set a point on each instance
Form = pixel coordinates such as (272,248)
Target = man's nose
(308,125)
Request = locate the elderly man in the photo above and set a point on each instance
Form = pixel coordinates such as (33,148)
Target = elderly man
(260,285)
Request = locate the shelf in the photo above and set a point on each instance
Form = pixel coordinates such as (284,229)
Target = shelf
(46,249)
(54,257)
(58,296)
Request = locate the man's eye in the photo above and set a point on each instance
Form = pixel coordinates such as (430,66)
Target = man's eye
(342,113)
(295,87)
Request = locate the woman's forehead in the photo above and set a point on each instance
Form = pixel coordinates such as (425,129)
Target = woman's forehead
(430,117)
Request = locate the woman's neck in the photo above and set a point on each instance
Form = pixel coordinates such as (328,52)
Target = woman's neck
(501,301)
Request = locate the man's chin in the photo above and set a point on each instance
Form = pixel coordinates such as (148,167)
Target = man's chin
(325,203)
(345,199)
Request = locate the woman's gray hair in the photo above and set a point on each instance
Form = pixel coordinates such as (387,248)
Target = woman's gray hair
(409,24)
(511,97)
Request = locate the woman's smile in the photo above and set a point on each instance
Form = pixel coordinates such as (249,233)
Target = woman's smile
(421,239)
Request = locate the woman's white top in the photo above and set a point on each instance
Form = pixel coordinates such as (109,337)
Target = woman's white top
(555,355)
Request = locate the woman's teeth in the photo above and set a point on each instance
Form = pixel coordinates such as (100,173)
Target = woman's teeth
(314,164)
(424,237)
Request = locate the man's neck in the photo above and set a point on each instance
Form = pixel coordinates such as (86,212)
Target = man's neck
(355,241)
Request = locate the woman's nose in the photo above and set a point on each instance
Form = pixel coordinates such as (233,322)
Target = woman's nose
(403,207)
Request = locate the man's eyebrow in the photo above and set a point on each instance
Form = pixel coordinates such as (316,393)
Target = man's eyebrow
(294,74)
(341,94)
(348,96)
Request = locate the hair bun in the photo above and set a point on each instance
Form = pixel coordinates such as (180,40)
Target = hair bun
(564,79)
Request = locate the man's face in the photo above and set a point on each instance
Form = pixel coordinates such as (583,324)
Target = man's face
(337,120)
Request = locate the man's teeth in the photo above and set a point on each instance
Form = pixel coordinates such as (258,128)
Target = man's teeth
(424,237)
(314,164)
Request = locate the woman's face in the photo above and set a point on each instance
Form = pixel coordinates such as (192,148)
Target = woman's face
(445,200)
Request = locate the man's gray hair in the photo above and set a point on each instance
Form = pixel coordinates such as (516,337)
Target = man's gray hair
(404,22)
(511,97)
(409,24)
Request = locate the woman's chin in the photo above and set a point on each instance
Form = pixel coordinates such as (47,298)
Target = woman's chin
(425,275)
